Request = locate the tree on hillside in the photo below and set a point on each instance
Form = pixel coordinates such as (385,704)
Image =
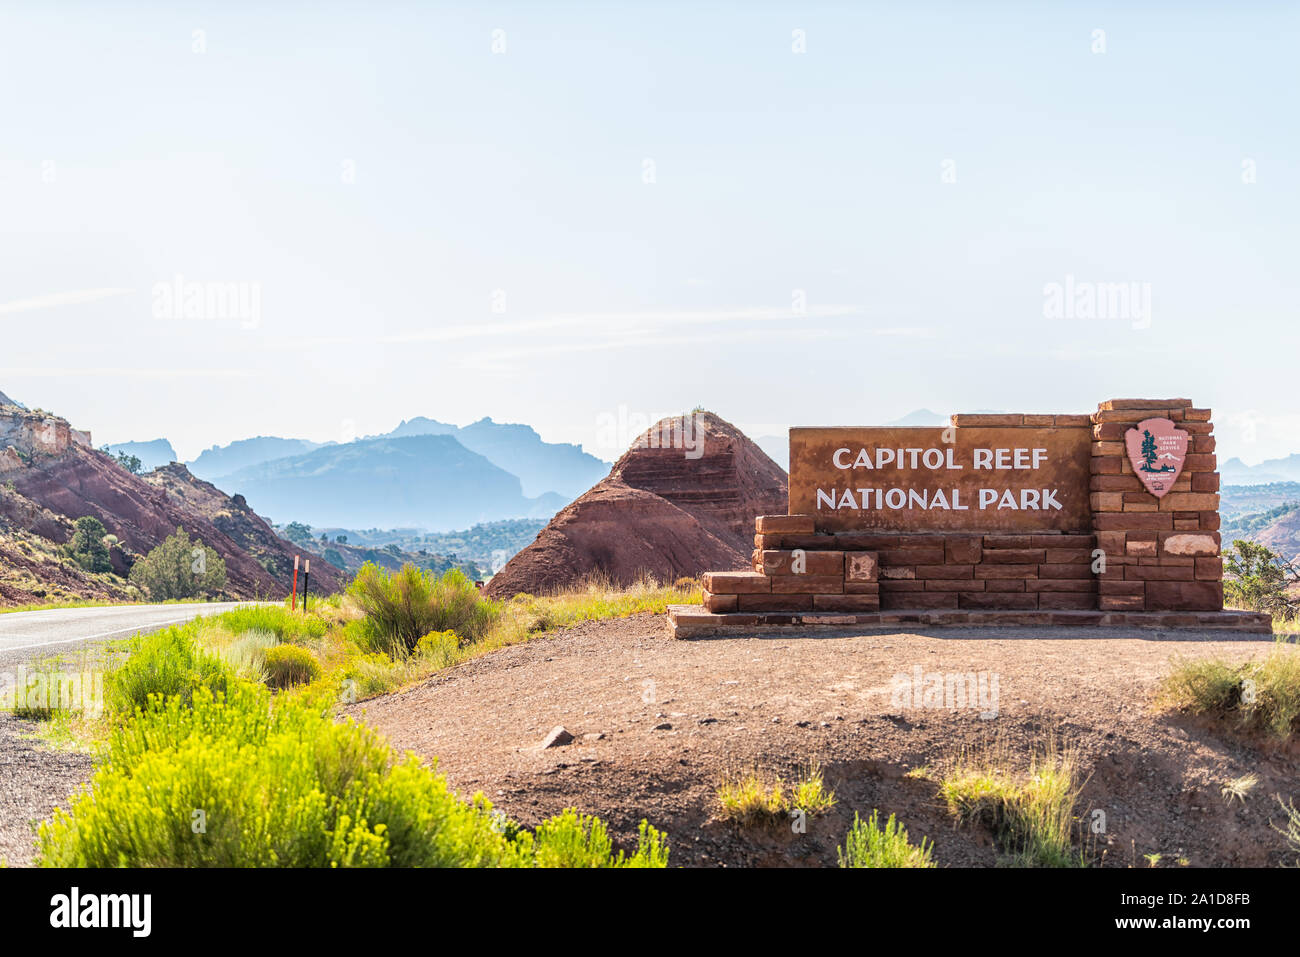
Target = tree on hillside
(180,568)
(298,533)
(87,547)
(1260,580)
(131,463)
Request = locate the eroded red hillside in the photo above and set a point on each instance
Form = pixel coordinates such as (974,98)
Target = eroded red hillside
(52,477)
(681,501)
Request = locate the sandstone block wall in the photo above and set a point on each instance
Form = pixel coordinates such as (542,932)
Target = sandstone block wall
(1162,554)
(1142,553)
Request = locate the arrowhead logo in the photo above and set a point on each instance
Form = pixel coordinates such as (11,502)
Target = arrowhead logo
(1157,448)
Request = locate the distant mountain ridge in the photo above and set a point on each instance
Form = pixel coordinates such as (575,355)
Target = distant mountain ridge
(541,466)
(429,481)
(1236,472)
(221,460)
(152,454)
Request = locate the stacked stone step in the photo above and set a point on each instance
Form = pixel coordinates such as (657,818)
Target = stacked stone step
(989,572)
(1050,571)
(1161,554)
(809,575)
(868,571)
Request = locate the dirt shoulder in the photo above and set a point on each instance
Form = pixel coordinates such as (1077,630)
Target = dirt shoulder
(37,779)
(657,721)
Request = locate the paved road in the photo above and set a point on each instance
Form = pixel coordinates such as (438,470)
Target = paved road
(25,635)
(36,778)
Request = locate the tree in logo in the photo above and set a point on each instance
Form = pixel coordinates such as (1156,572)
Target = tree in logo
(1149,454)
(1149,451)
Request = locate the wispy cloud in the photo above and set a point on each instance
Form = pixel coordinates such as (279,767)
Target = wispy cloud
(585,324)
(504,361)
(906,332)
(56,299)
(110,372)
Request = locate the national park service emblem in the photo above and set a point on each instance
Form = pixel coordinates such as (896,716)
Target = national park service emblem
(1157,448)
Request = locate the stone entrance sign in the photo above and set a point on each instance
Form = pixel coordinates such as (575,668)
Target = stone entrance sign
(942,479)
(1110,518)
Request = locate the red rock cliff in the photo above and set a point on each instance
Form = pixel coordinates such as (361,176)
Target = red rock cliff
(681,501)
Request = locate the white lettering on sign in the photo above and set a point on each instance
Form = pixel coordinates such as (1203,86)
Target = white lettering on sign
(1009,458)
(932,459)
(935,459)
(868,499)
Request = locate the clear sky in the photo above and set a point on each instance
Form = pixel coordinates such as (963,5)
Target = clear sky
(571,213)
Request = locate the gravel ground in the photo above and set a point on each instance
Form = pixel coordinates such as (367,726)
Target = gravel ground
(658,721)
(36,780)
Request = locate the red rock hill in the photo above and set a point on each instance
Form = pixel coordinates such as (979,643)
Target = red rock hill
(680,502)
(52,476)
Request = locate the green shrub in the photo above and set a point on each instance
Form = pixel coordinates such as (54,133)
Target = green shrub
(1033,813)
(87,546)
(401,608)
(439,648)
(375,674)
(180,568)
(571,839)
(289,627)
(289,665)
(868,844)
(235,782)
(1259,695)
(167,663)
(246,655)
(1258,579)
(754,798)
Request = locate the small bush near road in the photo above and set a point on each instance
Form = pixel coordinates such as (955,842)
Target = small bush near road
(167,663)
(180,568)
(289,665)
(290,627)
(238,780)
(402,607)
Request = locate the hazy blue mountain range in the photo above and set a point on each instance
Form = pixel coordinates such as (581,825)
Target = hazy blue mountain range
(1236,472)
(1238,500)
(541,466)
(420,425)
(151,454)
(430,481)
(221,460)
